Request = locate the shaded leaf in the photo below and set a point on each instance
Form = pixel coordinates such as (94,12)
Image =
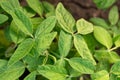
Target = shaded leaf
(82,48)
(84,27)
(116,68)
(22,50)
(83,66)
(103,37)
(65,19)
(52,72)
(31,76)
(64,43)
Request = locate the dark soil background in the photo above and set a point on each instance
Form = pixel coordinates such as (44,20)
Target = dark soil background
(81,8)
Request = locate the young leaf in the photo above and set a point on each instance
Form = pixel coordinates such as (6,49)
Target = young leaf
(3,18)
(101,75)
(11,72)
(53,72)
(103,36)
(46,26)
(113,15)
(22,50)
(83,66)
(10,5)
(44,41)
(64,43)
(36,6)
(31,76)
(65,19)
(23,22)
(117,41)
(82,48)
(99,22)
(116,68)
(84,27)
(103,4)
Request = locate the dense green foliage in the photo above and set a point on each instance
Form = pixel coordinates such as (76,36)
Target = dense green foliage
(54,46)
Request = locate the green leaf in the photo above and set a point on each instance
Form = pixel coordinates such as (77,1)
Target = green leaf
(36,6)
(99,22)
(116,68)
(15,34)
(84,27)
(101,75)
(65,19)
(82,48)
(23,22)
(11,72)
(53,72)
(112,57)
(83,66)
(31,76)
(10,5)
(103,4)
(44,41)
(3,18)
(22,50)
(46,26)
(117,41)
(113,15)
(103,37)
(64,43)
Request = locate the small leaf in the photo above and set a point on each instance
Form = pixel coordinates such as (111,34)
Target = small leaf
(104,4)
(22,22)
(3,18)
(82,48)
(103,37)
(101,75)
(36,6)
(84,27)
(82,65)
(113,15)
(65,19)
(117,41)
(99,22)
(116,68)
(31,76)
(22,50)
(44,41)
(46,26)
(64,43)
(52,72)
(11,72)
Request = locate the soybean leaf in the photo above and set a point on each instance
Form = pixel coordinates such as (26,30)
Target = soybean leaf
(64,43)
(15,34)
(10,5)
(113,77)
(36,6)
(117,41)
(22,50)
(103,37)
(83,66)
(116,68)
(3,18)
(112,57)
(104,4)
(84,27)
(82,48)
(53,72)
(99,22)
(65,19)
(46,26)
(11,72)
(22,22)
(44,41)
(31,76)
(101,75)
(113,15)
